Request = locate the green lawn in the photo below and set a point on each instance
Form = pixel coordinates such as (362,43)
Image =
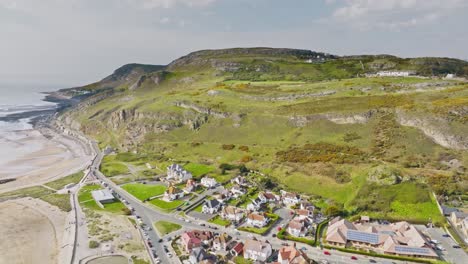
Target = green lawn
(165,228)
(144,191)
(167,206)
(219,221)
(61,183)
(199,208)
(111,167)
(198,170)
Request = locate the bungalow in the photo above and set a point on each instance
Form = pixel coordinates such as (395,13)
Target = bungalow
(211,206)
(292,255)
(304,214)
(237,250)
(232,213)
(257,220)
(172,193)
(195,239)
(190,186)
(176,173)
(220,243)
(297,228)
(102,196)
(269,197)
(208,182)
(290,198)
(257,250)
(223,196)
(237,191)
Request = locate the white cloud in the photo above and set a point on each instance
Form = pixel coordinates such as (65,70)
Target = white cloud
(393,14)
(151,4)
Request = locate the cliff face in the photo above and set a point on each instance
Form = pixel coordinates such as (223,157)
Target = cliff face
(436,128)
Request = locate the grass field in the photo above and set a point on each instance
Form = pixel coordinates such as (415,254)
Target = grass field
(166,206)
(219,221)
(198,170)
(165,228)
(61,183)
(62,201)
(144,191)
(110,167)
(34,192)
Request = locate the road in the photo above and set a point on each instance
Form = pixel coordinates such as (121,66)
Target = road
(450,254)
(150,214)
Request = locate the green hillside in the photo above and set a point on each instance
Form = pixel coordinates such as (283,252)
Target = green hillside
(311,121)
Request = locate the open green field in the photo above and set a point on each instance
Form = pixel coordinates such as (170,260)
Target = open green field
(61,183)
(165,227)
(144,191)
(321,129)
(166,206)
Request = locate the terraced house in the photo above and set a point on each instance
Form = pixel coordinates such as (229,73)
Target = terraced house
(401,238)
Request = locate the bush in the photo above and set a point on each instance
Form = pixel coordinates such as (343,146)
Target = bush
(228,146)
(246,158)
(244,148)
(93,244)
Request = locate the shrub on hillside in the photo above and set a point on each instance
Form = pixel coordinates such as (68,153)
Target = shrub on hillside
(228,146)
(93,244)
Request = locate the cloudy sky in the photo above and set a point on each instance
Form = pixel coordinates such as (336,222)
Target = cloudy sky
(73,42)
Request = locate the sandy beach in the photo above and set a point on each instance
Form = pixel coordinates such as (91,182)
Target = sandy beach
(32,231)
(35,157)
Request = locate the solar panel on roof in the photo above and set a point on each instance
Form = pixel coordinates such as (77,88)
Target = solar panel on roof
(414,250)
(362,237)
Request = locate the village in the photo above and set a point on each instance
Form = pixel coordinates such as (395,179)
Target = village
(240,223)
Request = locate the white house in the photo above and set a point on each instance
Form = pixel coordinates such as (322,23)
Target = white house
(256,204)
(393,74)
(268,197)
(221,242)
(176,173)
(298,227)
(290,198)
(190,186)
(237,191)
(208,182)
(257,220)
(257,250)
(172,193)
(211,206)
(232,213)
(240,180)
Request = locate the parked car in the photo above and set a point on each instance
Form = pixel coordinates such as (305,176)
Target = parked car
(160,240)
(445,235)
(353,257)
(372,261)
(327,253)
(456,246)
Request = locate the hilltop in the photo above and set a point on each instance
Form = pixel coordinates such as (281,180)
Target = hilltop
(311,121)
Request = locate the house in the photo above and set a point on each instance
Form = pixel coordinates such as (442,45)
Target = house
(393,74)
(177,174)
(199,255)
(223,196)
(240,180)
(237,191)
(401,238)
(208,182)
(220,243)
(257,220)
(190,186)
(211,206)
(237,250)
(257,250)
(365,219)
(291,255)
(304,214)
(304,205)
(290,198)
(255,205)
(298,227)
(232,213)
(195,239)
(269,197)
(102,196)
(172,193)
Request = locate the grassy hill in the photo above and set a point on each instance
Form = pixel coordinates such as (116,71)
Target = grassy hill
(311,121)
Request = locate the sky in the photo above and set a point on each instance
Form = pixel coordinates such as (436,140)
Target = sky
(75,42)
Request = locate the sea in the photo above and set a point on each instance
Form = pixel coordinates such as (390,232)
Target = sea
(18,103)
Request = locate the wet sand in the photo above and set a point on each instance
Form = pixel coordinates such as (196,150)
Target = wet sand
(35,157)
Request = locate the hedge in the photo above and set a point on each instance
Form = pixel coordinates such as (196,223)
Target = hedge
(284,236)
